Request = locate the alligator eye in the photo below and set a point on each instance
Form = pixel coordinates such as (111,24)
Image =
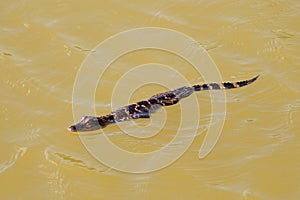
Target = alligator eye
(85,119)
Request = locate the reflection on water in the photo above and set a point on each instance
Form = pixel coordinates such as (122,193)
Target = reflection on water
(42,47)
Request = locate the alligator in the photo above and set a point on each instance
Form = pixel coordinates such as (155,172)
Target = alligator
(144,109)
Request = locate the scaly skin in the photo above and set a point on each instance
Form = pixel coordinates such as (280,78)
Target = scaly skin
(143,109)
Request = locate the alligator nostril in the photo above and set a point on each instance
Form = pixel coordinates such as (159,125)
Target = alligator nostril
(72,128)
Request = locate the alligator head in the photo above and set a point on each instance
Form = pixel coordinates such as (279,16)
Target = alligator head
(87,123)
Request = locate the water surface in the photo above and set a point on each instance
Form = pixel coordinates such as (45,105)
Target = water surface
(43,45)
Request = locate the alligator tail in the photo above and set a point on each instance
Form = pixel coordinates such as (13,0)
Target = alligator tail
(224,85)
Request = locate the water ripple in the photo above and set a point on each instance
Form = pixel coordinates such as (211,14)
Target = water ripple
(13,159)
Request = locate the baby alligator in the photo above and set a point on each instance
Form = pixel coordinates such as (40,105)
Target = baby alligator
(143,109)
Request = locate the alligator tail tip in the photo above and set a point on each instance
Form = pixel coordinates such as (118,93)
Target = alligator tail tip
(254,79)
